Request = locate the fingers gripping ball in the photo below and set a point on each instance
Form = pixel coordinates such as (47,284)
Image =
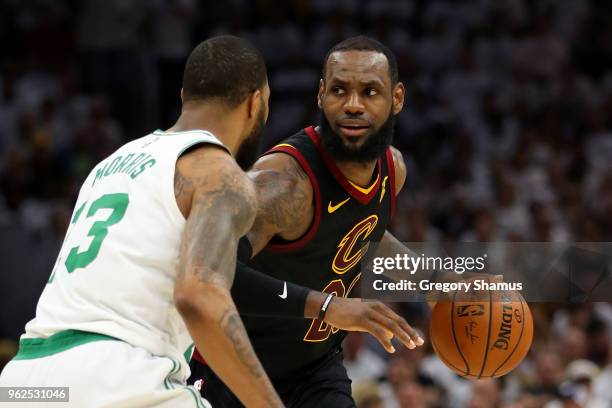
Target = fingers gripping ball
(482,334)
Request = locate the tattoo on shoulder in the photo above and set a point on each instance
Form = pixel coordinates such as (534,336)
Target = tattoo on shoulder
(182,185)
(284,195)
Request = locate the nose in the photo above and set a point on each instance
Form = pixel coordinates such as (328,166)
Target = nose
(354,104)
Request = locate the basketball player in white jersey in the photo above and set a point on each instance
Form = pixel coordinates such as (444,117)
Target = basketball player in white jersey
(149,257)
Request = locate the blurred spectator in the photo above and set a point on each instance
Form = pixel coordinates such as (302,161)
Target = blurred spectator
(547,375)
(172,44)
(398,372)
(485,394)
(601,385)
(361,363)
(367,395)
(599,342)
(581,374)
(410,394)
(574,345)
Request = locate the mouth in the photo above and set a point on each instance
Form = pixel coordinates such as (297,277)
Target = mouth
(354,129)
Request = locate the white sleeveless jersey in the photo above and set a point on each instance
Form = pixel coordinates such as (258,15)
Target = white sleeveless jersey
(116,270)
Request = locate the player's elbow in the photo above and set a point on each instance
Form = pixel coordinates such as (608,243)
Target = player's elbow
(198,302)
(185,302)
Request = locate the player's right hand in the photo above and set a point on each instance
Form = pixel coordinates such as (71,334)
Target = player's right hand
(374,317)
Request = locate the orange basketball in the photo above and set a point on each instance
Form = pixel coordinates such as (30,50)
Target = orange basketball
(481,334)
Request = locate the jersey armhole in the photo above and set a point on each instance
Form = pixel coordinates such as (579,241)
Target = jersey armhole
(299,243)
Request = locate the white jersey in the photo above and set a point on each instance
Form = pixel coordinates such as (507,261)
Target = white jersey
(116,270)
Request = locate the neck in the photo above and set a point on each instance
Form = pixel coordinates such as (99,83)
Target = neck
(215,119)
(359,173)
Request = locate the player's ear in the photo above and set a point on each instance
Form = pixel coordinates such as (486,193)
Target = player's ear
(182,100)
(254,103)
(398,97)
(320,93)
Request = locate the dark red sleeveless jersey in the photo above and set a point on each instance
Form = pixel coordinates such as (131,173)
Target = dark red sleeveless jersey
(326,258)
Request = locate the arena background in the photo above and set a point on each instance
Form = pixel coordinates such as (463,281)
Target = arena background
(506,134)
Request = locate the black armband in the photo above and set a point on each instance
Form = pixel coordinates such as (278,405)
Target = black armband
(257,294)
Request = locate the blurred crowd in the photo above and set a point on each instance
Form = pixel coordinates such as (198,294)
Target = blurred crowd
(569,365)
(506,134)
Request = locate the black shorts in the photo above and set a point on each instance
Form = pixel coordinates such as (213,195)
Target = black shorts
(328,386)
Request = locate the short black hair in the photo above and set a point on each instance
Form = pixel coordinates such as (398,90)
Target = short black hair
(363,43)
(226,68)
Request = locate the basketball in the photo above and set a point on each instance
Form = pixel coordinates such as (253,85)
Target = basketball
(482,334)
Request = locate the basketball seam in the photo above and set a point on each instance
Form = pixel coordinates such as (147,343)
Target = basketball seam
(517,343)
(484,361)
(444,360)
(452,309)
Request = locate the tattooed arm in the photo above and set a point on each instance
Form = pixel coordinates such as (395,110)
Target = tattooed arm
(219,203)
(284,195)
(286,210)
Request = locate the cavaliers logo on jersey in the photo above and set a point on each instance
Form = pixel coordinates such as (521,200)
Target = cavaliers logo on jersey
(347,257)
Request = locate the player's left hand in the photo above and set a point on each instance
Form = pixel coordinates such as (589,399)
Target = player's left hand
(374,317)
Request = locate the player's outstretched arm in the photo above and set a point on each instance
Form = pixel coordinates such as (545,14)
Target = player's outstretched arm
(286,209)
(220,204)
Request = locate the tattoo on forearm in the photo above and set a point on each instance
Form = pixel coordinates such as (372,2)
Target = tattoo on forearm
(233,328)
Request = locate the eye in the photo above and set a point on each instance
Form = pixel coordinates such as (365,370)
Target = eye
(371,92)
(338,90)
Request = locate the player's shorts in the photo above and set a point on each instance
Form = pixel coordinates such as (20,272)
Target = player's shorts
(327,386)
(108,373)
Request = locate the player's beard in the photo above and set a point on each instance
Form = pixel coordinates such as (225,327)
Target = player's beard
(249,149)
(373,148)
